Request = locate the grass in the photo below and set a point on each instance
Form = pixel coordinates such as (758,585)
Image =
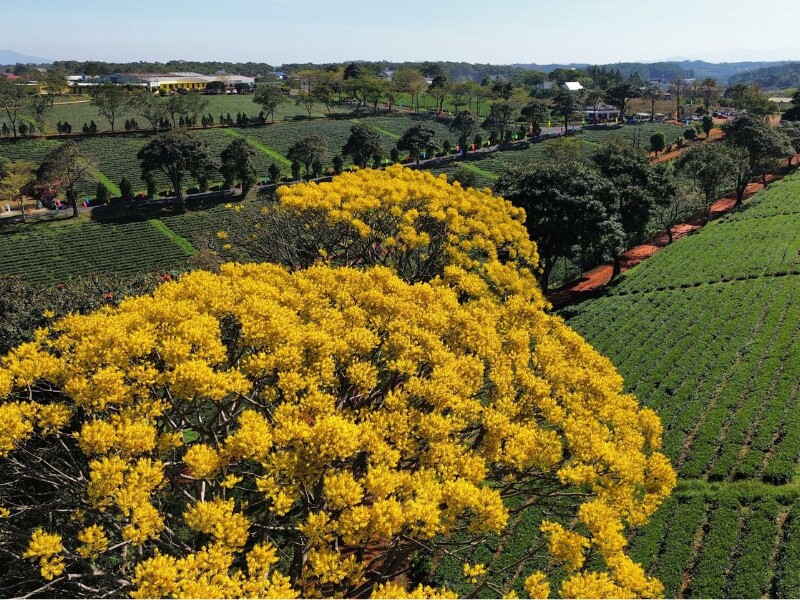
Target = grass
(110,185)
(260,147)
(182,242)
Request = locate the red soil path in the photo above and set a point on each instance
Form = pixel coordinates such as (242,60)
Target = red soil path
(593,280)
(715,134)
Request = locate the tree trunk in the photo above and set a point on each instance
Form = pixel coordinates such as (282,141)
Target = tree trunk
(22,208)
(617,266)
(72,198)
(544,279)
(741,187)
(669,234)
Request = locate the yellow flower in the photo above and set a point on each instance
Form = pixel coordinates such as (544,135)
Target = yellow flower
(203,461)
(474,572)
(94,541)
(537,585)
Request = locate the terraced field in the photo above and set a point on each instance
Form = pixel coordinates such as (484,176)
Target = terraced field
(708,333)
(55,254)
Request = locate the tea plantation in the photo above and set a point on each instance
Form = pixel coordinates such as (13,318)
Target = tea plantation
(708,333)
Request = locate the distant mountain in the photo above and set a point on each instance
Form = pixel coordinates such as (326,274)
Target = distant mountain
(777,77)
(9,57)
(668,70)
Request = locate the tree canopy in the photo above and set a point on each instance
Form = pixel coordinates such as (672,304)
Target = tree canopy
(176,154)
(564,203)
(363,144)
(64,167)
(237,164)
(261,432)
(418,139)
(269,97)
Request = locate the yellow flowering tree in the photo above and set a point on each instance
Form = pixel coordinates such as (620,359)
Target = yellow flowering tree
(261,432)
(419,225)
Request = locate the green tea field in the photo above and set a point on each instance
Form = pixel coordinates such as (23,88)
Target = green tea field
(54,254)
(707,332)
(77,110)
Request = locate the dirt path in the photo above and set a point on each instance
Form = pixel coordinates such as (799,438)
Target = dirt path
(595,279)
(715,134)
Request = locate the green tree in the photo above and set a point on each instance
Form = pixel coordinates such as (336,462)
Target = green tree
(708,124)
(306,100)
(55,82)
(63,168)
(417,139)
(710,169)
(439,89)
(620,94)
(566,104)
(679,87)
(652,93)
(465,177)
(13,98)
(536,112)
(125,189)
(791,129)
(671,205)
(193,104)
(16,179)
(763,144)
(658,141)
(410,81)
(101,194)
(237,165)
(176,155)
(269,97)
(501,115)
(150,106)
(306,151)
(465,124)
(274,172)
(364,142)
(364,89)
(38,107)
(709,90)
(565,203)
(109,99)
(636,184)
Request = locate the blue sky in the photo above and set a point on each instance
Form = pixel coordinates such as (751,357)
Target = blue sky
(494,31)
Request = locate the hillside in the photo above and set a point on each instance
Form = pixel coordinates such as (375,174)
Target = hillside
(778,77)
(708,333)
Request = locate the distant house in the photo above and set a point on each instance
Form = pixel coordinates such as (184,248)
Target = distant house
(783,103)
(172,82)
(603,114)
(573,86)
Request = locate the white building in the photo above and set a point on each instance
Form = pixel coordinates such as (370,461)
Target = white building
(604,113)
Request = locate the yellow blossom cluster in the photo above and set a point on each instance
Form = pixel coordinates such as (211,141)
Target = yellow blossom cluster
(47,548)
(419,225)
(343,417)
